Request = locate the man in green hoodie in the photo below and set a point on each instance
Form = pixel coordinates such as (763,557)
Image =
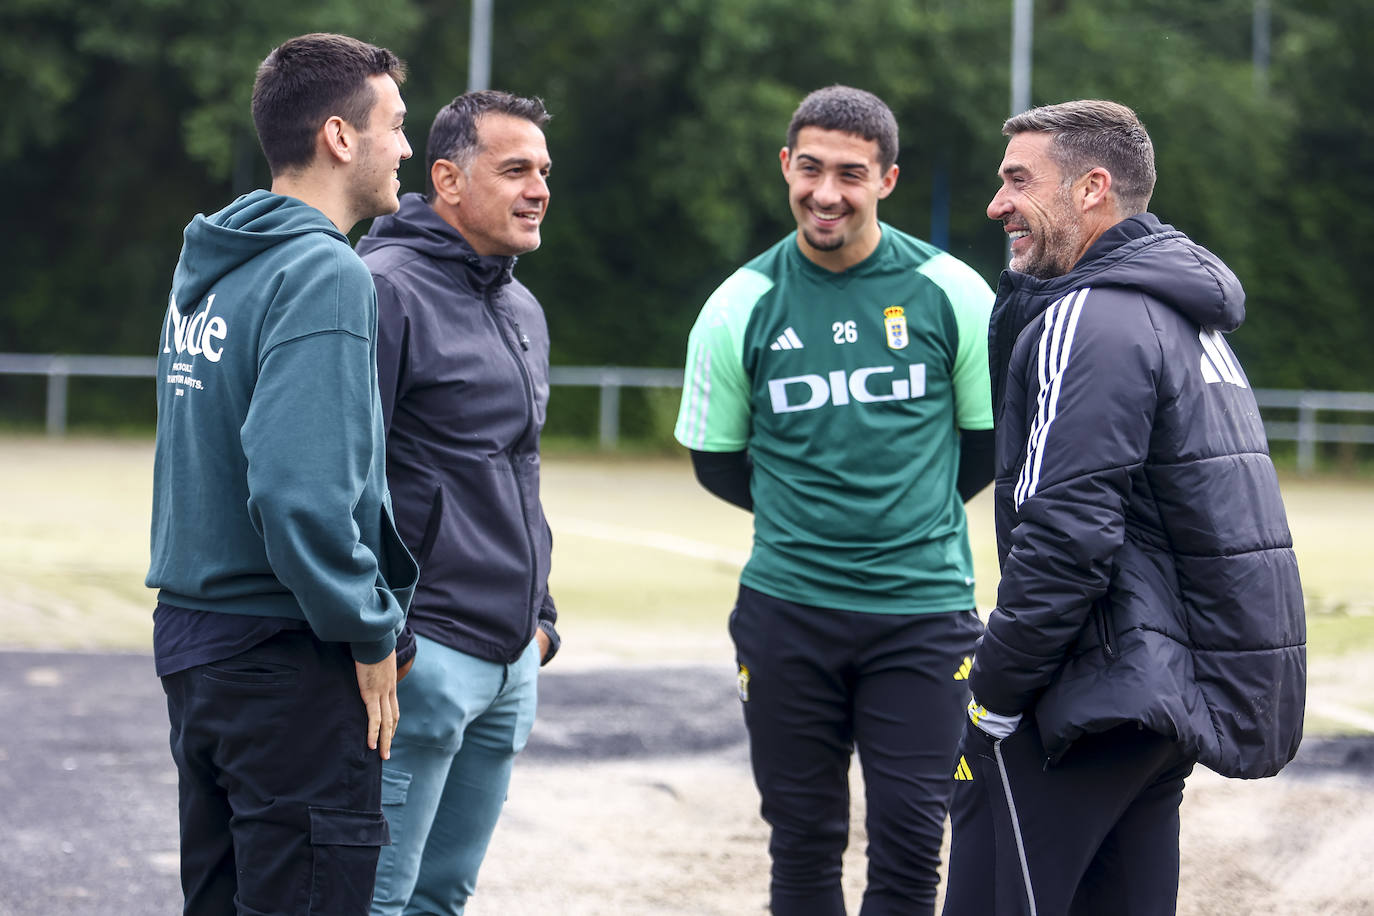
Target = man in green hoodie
(282,582)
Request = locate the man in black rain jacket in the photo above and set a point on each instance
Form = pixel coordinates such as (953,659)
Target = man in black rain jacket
(1150,614)
(463,365)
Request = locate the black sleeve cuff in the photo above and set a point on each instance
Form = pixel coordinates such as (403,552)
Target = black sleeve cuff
(554,641)
(977,449)
(405,646)
(727,475)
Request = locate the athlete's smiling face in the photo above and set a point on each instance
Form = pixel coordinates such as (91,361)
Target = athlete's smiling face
(834,182)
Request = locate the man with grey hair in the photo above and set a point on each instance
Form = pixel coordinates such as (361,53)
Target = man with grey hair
(1149,615)
(837,387)
(463,363)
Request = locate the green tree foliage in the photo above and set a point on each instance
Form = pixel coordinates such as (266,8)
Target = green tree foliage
(669,119)
(125,118)
(1313,222)
(1187,69)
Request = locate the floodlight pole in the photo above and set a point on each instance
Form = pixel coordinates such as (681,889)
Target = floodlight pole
(1022,24)
(479,46)
(1260,47)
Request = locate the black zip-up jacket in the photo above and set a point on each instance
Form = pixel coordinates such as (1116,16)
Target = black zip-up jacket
(463,365)
(1148,574)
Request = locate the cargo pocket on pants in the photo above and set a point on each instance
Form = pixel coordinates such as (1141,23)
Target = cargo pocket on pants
(345,845)
(395,787)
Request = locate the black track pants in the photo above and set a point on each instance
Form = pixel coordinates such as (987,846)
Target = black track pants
(1095,834)
(816,683)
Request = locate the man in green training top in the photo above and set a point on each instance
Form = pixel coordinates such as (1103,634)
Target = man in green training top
(837,386)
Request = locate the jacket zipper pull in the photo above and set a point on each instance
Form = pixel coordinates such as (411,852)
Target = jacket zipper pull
(524,339)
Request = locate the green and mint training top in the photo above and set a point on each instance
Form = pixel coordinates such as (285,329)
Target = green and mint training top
(848,390)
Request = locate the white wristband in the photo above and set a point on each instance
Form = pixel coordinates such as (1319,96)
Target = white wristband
(994,724)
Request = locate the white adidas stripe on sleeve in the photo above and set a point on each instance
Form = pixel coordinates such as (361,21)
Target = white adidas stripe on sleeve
(1055,349)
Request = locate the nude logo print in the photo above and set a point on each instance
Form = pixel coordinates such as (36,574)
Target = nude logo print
(807,392)
(194,334)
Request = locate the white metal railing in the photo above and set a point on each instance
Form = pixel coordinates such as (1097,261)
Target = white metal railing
(1307,430)
(610,379)
(58,369)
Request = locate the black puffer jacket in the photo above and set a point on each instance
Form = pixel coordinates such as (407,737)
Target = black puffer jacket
(463,362)
(1147,568)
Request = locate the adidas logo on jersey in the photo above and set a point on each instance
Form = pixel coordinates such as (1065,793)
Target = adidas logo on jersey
(787,340)
(965,667)
(962,773)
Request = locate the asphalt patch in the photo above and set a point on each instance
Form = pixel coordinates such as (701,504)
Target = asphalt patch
(1351,756)
(88,795)
(610,714)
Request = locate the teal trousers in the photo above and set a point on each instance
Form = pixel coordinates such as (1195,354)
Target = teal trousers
(463,720)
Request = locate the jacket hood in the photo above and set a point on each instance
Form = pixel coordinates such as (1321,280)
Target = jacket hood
(255,222)
(417,227)
(1154,258)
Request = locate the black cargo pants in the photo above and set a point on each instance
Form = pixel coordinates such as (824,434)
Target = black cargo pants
(280,798)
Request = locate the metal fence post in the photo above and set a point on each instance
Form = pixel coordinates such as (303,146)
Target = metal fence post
(609,414)
(1307,436)
(57,399)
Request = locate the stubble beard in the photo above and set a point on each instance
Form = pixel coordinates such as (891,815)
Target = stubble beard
(1055,243)
(374,195)
(833,243)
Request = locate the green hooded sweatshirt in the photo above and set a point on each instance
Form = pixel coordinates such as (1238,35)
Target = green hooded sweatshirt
(269,481)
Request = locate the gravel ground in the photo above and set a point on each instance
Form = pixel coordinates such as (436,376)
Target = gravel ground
(633,798)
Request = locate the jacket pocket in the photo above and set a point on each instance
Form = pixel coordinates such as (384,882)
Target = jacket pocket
(432,526)
(399,569)
(1106,628)
(344,846)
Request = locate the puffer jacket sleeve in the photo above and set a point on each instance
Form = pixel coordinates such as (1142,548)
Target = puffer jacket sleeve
(1079,408)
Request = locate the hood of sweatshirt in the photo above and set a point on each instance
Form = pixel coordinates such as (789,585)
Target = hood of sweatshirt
(216,244)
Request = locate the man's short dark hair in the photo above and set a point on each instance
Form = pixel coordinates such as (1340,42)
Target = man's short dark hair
(853,111)
(1090,133)
(308,80)
(453,135)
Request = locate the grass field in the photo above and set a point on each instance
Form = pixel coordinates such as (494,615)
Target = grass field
(645,562)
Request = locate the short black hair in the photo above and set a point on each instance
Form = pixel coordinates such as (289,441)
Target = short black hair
(853,111)
(308,80)
(453,135)
(1093,132)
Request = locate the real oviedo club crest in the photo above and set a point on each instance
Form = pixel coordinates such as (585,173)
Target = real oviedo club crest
(894,321)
